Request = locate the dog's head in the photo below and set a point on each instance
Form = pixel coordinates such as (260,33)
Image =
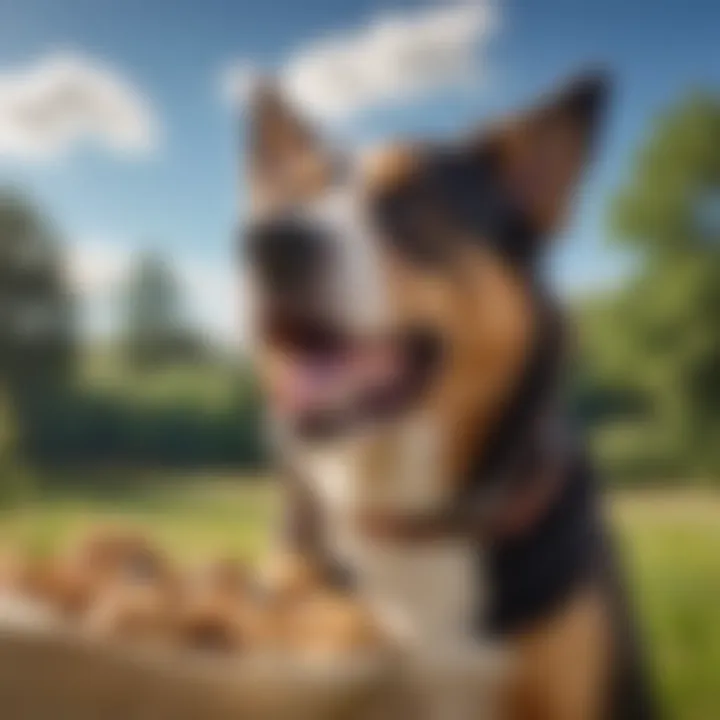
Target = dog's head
(399,281)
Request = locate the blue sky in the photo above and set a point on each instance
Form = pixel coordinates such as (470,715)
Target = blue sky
(180,194)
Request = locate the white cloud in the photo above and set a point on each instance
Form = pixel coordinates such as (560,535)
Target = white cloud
(395,57)
(49,107)
(98,270)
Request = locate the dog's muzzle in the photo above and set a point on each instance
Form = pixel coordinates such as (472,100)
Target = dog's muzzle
(290,257)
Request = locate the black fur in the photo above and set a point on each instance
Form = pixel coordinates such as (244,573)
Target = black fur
(533,574)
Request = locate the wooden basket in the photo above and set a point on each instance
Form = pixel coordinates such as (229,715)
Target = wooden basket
(51,674)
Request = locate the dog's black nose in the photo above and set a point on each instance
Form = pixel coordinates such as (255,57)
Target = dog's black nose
(288,254)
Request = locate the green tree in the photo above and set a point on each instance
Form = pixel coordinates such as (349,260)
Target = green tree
(665,336)
(156,331)
(36,317)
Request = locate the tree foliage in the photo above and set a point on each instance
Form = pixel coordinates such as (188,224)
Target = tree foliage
(156,332)
(659,336)
(36,318)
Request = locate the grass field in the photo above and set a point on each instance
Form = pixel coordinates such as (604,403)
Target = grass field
(672,541)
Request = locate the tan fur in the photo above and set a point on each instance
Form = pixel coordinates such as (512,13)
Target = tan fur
(387,166)
(482,310)
(561,670)
(480,307)
(287,162)
(540,156)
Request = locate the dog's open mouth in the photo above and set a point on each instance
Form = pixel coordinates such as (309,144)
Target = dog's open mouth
(330,382)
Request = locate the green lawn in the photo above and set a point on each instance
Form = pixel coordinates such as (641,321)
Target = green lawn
(672,541)
(673,545)
(194,517)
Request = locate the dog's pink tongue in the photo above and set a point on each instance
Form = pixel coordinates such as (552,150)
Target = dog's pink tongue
(314,384)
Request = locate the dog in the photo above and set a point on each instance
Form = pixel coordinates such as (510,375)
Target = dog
(413,360)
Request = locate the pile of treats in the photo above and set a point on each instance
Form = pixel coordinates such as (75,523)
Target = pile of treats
(120,585)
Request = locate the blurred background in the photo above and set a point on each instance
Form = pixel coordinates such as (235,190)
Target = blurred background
(125,389)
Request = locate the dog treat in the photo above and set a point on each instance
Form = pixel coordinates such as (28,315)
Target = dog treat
(211,606)
(286,577)
(329,623)
(132,611)
(47,580)
(109,553)
(117,584)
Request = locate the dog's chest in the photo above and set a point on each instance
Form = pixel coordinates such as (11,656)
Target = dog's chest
(426,590)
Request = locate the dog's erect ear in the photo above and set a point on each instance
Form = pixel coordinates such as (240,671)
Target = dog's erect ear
(287,162)
(540,154)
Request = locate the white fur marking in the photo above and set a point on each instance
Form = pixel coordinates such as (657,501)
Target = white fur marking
(359,284)
(427,590)
(427,595)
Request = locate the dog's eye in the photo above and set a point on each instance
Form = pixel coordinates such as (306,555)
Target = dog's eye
(411,218)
